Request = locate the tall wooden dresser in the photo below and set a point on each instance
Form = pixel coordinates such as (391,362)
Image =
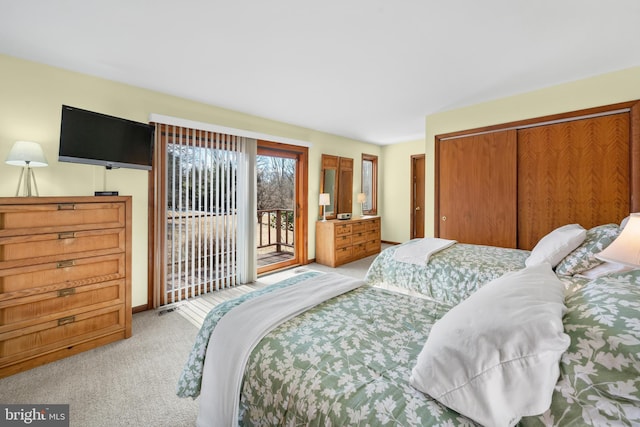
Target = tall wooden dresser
(65,277)
(341,241)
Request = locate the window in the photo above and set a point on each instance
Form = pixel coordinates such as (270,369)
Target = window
(370,184)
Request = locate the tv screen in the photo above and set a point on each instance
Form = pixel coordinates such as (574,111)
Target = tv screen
(97,139)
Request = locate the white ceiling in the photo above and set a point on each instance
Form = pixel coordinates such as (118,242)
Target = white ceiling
(365,69)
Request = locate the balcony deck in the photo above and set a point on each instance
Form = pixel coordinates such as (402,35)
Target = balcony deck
(273,256)
(274,236)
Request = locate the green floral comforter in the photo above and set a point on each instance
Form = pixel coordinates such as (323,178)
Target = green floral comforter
(451,274)
(348,362)
(600,371)
(191,376)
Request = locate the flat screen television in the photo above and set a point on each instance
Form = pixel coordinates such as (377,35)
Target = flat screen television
(98,139)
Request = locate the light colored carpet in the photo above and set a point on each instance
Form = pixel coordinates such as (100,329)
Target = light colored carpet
(132,382)
(127,383)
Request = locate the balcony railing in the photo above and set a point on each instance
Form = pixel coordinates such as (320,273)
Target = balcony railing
(198,246)
(275,236)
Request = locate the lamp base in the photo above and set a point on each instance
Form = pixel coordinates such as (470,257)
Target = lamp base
(29,176)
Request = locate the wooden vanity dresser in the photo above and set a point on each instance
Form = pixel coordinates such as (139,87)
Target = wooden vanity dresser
(341,241)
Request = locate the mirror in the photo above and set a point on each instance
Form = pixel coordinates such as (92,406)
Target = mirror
(337,180)
(329,184)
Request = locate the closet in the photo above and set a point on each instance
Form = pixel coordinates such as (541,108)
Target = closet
(509,185)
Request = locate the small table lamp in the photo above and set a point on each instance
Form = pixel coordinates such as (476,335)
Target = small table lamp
(324,200)
(626,248)
(28,155)
(362,198)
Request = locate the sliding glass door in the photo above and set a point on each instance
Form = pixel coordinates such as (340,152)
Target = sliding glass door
(281,216)
(204,199)
(205,228)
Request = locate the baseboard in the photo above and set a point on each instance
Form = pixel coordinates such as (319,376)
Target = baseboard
(139,308)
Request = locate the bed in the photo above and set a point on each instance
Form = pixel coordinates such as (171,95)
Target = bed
(352,359)
(451,274)
(348,361)
(456,271)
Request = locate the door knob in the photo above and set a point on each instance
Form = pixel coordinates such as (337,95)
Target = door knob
(444,218)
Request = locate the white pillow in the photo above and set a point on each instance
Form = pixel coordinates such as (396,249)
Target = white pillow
(495,357)
(557,245)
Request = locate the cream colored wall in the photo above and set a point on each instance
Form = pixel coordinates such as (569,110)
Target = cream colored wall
(605,89)
(31,96)
(394,191)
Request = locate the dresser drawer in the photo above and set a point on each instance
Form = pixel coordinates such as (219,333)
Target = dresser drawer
(373,246)
(32,219)
(373,224)
(360,237)
(343,241)
(343,229)
(359,251)
(343,255)
(39,248)
(372,235)
(61,332)
(22,312)
(24,281)
(358,227)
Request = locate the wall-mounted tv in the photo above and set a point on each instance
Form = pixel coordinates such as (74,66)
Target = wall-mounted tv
(98,139)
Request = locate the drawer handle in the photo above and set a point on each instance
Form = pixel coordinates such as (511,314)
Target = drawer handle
(66,320)
(66,206)
(65,264)
(67,235)
(66,292)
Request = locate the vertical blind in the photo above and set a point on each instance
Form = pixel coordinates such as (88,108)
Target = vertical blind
(205,230)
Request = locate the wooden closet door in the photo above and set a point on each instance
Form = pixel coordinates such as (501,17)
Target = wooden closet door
(477,197)
(572,172)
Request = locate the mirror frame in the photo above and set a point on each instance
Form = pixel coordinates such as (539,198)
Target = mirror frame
(344,192)
(341,189)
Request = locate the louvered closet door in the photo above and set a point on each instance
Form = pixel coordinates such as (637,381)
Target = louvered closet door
(477,189)
(576,171)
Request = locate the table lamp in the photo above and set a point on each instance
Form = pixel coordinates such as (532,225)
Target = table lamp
(28,155)
(324,201)
(362,198)
(626,248)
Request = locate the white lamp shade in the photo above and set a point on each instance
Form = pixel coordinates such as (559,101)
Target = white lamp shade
(626,248)
(324,199)
(362,198)
(25,153)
